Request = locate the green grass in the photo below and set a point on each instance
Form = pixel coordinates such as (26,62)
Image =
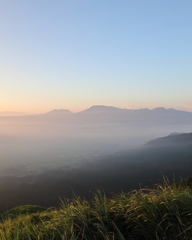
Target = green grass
(164,212)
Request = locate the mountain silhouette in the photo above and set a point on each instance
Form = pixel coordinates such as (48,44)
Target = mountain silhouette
(59,111)
(172,140)
(158,115)
(109,114)
(100,109)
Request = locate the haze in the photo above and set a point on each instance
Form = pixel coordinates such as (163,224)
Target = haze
(61,139)
(84,85)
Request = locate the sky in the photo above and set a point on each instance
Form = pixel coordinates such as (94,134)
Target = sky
(72,54)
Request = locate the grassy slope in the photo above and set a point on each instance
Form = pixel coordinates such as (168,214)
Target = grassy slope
(164,212)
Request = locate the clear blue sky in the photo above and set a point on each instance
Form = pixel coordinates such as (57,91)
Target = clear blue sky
(73,54)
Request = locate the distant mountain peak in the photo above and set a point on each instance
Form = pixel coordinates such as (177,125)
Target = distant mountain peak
(100,109)
(159,109)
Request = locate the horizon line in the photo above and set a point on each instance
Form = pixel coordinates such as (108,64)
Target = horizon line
(15,113)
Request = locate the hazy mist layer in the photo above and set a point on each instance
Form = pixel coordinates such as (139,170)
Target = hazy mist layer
(62,139)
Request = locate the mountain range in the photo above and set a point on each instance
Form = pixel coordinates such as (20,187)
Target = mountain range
(100,113)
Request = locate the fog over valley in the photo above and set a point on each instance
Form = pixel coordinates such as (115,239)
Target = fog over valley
(60,139)
(54,155)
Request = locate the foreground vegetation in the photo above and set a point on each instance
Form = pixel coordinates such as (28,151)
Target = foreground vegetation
(164,212)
